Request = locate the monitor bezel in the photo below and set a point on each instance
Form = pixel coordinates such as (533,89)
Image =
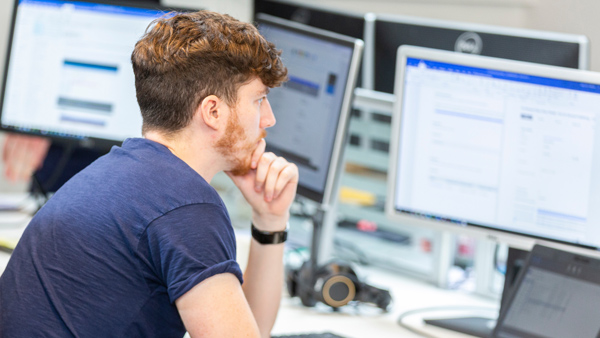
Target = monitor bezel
(327,197)
(513,239)
(80,141)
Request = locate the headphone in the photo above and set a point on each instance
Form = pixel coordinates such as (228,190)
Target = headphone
(334,284)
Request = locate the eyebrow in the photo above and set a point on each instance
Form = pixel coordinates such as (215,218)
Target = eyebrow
(265,91)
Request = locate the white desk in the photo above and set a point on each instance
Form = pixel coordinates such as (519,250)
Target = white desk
(361,321)
(408,295)
(367,321)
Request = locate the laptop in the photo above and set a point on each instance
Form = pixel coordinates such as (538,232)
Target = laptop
(557,294)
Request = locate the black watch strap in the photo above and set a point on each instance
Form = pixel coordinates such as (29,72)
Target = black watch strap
(269,237)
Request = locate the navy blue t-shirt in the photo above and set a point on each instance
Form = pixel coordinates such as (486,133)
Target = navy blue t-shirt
(113,249)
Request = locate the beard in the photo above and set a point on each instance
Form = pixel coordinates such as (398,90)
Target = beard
(235,146)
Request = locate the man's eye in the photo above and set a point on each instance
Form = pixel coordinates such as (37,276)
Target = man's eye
(261,100)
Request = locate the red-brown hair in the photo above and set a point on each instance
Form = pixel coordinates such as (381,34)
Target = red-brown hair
(184,58)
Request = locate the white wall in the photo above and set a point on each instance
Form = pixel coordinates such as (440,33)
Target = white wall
(570,16)
(240,9)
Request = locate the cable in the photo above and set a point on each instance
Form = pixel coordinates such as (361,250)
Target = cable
(38,190)
(466,275)
(353,249)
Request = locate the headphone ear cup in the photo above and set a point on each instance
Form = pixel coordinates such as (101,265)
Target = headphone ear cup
(336,284)
(338,290)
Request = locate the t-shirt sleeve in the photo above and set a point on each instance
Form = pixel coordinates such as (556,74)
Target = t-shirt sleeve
(190,244)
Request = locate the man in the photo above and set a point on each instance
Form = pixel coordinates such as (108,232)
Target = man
(138,244)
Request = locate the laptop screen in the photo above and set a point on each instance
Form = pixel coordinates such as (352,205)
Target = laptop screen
(556,295)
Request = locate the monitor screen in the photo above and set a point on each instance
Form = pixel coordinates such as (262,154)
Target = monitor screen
(68,73)
(565,50)
(502,148)
(312,107)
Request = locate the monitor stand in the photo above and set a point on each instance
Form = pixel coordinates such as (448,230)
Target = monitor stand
(301,282)
(480,326)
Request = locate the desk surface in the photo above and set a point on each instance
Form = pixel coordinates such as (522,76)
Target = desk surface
(359,321)
(366,321)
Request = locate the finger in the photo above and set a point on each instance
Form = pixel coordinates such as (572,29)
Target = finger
(6,157)
(262,145)
(36,151)
(6,147)
(14,155)
(24,158)
(39,150)
(262,169)
(9,144)
(274,170)
(288,175)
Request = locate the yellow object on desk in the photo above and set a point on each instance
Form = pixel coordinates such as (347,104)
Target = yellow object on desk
(356,196)
(7,244)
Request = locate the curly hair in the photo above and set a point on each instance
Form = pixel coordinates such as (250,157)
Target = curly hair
(183,58)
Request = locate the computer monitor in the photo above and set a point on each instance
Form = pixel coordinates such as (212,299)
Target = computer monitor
(500,149)
(312,107)
(391,31)
(356,25)
(341,22)
(68,72)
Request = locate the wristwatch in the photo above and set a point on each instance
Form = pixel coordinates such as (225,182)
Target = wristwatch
(269,237)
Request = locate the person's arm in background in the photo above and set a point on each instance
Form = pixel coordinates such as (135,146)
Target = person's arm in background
(22,155)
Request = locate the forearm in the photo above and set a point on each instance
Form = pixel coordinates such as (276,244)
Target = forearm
(263,282)
(270,189)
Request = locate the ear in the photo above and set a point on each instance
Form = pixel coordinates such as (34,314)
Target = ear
(212,111)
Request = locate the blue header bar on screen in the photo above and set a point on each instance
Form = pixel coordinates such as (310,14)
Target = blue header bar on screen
(96,7)
(498,74)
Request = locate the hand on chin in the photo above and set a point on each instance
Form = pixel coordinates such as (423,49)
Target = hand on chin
(269,187)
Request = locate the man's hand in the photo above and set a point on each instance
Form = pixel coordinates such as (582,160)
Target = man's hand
(269,188)
(22,155)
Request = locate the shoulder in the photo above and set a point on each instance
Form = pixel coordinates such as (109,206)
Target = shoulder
(208,223)
(210,213)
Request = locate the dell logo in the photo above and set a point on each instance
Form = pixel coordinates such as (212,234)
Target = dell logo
(301,15)
(468,42)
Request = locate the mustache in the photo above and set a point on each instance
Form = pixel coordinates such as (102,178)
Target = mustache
(263,134)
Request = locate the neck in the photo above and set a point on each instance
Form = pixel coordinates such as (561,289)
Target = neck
(193,151)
